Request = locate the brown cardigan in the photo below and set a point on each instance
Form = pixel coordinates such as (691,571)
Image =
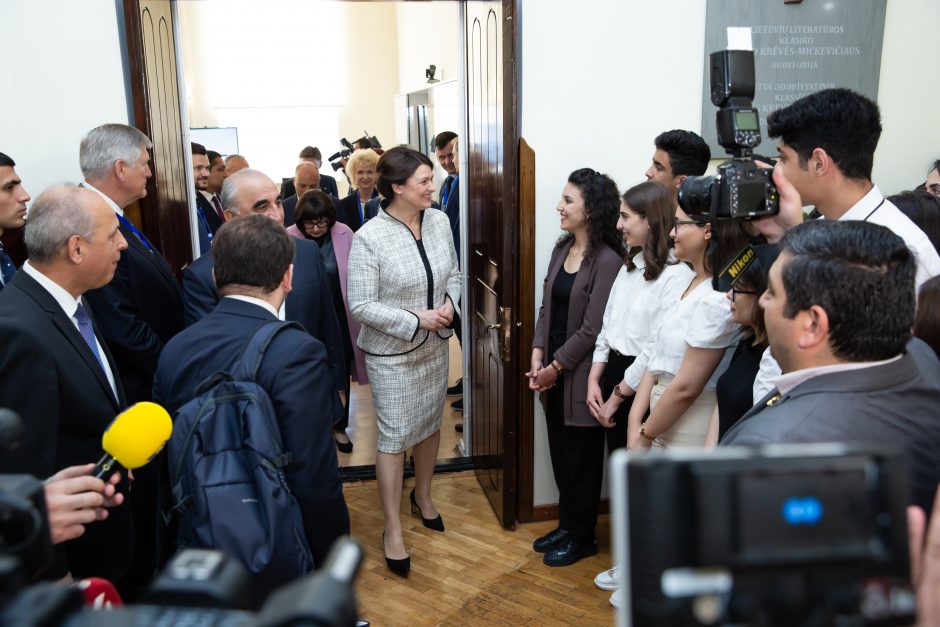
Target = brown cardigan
(589,295)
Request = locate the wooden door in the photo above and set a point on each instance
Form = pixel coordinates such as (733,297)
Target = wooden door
(164,212)
(492,262)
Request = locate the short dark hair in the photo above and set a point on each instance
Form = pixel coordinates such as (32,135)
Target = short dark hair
(198,149)
(6,162)
(862,274)
(442,139)
(654,202)
(364,142)
(688,152)
(310,152)
(601,210)
(923,208)
(934,166)
(314,205)
(213,155)
(927,319)
(396,166)
(844,123)
(251,252)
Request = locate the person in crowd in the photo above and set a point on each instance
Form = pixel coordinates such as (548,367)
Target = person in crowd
(923,209)
(679,154)
(315,219)
(927,319)
(13,199)
(581,272)
(932,184)
(58,373)
(310,154)
(217,176)
(361,170)
(138,311)
(310,303)
(207,222)
(406,309)
(647,286)
(306,178)
(839,308)
(234,163)
(683,360)
(253,274)
(735,387)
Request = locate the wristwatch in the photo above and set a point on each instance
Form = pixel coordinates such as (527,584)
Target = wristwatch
(644,435)
(558,368)
(618,393)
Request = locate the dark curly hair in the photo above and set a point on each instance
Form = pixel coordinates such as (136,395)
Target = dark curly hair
(654,202)
(845,124)
(601,210)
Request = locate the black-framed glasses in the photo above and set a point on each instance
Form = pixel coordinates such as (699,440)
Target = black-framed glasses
(692,222)
(735,291)
(320,223)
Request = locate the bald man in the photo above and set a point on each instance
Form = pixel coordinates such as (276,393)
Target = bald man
(234,163)
(306,178)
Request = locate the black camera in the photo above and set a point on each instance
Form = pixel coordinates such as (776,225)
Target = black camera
(780,535)
(741,190)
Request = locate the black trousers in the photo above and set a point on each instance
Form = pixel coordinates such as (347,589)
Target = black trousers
(340,425)
(578,465)
(613,374)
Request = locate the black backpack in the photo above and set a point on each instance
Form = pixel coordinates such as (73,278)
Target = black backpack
(226,462)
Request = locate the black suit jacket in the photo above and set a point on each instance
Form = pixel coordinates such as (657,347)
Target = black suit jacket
(208,211)
(309,302)
(296,375)
(453,213)
(138,312)
(347,211)
(327,185)
(50,377)
(290,204)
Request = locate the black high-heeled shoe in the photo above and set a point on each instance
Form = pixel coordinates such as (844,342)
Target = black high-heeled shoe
(437,524)
(400,567)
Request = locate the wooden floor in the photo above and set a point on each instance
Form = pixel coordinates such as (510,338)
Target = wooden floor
(362,428)
(475,573)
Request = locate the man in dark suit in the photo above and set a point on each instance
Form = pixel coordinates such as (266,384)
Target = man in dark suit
(139,310)
(56,370)
(839,309)
(249,192)
(306,178)
(13,199)
(253,269)
(312,155)
(207,221)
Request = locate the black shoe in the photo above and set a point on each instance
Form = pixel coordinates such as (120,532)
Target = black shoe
(550,540)
(458,427)
(437,524)
(343,447)
(399,567)
(456,389)
(569,552)
(457,405)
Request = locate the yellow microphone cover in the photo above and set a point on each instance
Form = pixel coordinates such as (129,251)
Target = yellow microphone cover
(137,434)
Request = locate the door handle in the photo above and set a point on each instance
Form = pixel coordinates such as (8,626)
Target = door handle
(487,324)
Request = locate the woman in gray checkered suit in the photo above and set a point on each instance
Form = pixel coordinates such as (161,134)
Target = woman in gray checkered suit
(403,286)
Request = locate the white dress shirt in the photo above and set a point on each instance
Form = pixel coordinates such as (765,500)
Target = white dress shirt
(787,382)
(260,303)
(69,305)
(700,320)
(636,307)
(107,199)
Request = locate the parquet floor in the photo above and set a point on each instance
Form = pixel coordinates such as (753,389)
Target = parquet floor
(475,573)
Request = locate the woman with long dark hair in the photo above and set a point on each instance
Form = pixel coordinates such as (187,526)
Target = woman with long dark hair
(582,269)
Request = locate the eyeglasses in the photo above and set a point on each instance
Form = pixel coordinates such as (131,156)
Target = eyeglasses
(691,222)
(321,223)
(735,291)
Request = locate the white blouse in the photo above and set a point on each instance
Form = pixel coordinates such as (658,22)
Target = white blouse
(700,320)
(636,307)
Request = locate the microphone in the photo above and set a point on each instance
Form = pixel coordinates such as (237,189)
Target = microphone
(133,438)
(335,156)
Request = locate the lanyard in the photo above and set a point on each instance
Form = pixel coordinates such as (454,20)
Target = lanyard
(362,219)
(874,210)
(133,229)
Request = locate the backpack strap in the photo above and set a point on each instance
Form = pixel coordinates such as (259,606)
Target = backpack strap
(246,368)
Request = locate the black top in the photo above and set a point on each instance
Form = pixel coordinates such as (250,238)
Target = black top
(735,389)
(561,296)
(328,257)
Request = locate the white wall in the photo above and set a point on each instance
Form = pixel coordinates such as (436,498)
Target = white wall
(598,84)
(62,77)
(428,34)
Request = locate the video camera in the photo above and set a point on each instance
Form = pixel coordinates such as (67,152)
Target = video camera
(779,535)
(337,159)
(741,190)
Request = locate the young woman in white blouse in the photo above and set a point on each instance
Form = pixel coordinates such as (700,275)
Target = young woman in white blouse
(681,364)
(648,285)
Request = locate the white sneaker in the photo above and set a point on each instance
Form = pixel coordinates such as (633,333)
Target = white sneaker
(616,599)
(607,580)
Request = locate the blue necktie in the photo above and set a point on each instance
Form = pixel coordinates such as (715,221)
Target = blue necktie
(7,269)
(445,190)
(88,333)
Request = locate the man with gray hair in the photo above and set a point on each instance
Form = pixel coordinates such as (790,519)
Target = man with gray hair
(234,163)
(56,370)
(250,192)
(140,309)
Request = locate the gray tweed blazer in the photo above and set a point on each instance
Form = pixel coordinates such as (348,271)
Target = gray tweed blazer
(391,275)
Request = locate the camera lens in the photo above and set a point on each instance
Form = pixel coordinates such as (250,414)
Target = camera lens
(695,195)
